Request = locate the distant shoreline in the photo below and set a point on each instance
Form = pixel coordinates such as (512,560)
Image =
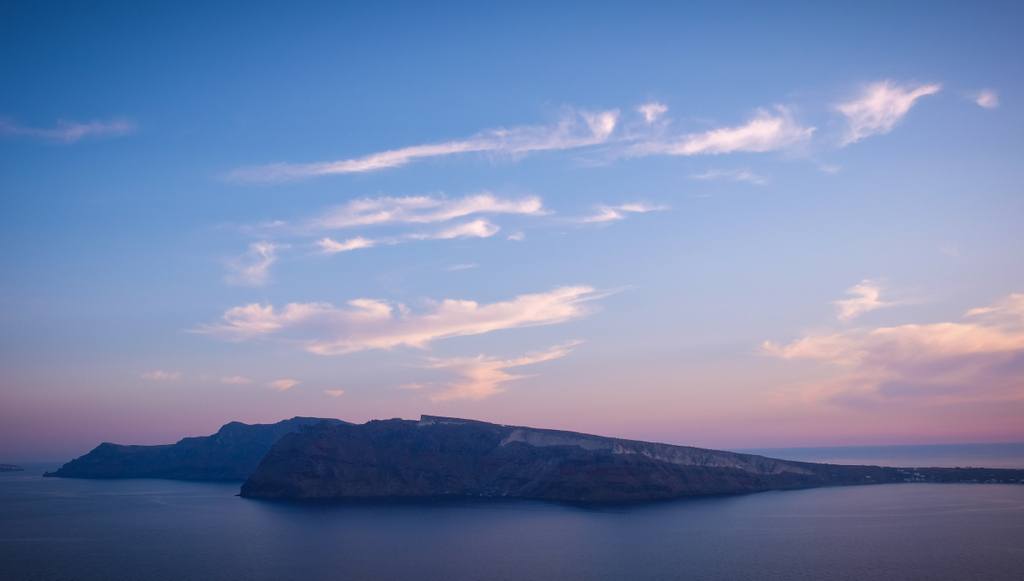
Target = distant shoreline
(994,455)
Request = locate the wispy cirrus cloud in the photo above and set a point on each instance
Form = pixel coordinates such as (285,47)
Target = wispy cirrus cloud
(334,392)
(411,211)
(978,358)
(235,380)
(253,267)
(69,131)
(766,131)
(161,375)
(732,175)
(482,376)
(875,111)
(329,245)
(364,324)
(605,213)
(575,130)
(422,210)
(865,296)
(879,107)
(479,228)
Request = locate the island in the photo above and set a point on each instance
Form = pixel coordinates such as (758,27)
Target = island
(439,457)
(10,468)
(230,454)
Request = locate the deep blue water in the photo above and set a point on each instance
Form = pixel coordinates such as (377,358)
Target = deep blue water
(164,530)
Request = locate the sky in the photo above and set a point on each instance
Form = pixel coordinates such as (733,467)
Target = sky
(730,225)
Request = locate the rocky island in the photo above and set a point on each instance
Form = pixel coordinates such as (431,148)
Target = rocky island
(439,457)
(230,454)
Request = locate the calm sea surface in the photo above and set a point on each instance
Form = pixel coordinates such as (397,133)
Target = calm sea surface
(164,530)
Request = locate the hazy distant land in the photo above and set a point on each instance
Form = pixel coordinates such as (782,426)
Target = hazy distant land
(994,455)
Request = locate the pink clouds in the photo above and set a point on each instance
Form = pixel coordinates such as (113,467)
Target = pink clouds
(880,107)
(865,296)
(978,358)
(482,376)
(575,130)
(766,131)
(422,210)
(365,324)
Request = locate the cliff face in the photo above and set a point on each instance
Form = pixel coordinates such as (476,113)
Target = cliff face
(446,457)
(230,454)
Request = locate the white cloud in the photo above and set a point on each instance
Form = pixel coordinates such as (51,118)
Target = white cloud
(474,229)
(253,267)
(614,213)
(481,377)
(879,108)
(365,324)
(767,131)
(69,131)
(865,296)
(284,384)
(976,359)
(987,98)
(576,129)
(463,266)
(517,236)
(334,392)
(652,111)
(254,319)
(479,228)
(423,210)
(331,246)
(733,175)
(161,375)
(1010,307)
(235,380)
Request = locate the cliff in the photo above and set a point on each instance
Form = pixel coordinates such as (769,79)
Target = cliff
(230,454)
(447,457)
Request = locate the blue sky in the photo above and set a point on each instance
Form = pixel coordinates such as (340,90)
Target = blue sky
(656,211)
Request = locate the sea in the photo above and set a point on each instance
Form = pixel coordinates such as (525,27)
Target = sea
(153,530)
